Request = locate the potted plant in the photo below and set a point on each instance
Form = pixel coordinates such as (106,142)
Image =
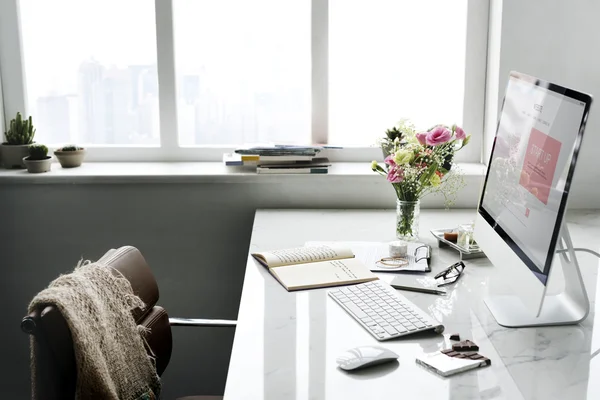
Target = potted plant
(18,138)
(419,164)
(38,159)
(70,156)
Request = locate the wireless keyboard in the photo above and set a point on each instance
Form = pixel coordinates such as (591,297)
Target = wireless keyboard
(382,311)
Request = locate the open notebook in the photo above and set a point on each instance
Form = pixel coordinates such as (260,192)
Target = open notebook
(314,267)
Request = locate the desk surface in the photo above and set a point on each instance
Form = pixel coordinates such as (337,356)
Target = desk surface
(286,343)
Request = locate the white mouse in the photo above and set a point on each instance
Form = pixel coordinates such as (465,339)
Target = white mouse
(365,356)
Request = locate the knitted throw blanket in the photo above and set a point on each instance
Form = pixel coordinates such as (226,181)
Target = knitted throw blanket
(112,362)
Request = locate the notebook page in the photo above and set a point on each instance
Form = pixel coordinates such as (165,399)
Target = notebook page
(301,255)
(323,273)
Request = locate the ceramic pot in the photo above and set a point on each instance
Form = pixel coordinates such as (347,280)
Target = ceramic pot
(13,154)
(37,166)
(70,159)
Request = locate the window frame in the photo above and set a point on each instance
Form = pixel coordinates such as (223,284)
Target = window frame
(14,90)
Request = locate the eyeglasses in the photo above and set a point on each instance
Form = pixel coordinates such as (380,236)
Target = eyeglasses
(451,274)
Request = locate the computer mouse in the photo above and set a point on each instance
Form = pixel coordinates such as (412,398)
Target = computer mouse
(365,356)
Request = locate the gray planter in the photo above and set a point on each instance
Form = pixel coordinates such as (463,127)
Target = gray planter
(70,159)
(37,166)
(13,154)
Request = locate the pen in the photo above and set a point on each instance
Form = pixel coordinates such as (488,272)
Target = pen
(421,290)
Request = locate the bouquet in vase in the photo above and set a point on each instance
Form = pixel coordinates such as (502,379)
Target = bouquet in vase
(417,164)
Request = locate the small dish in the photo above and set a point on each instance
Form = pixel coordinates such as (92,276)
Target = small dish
(464,253)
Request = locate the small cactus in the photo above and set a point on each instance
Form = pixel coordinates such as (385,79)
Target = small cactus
(38,152)
(20,131)
(70,147)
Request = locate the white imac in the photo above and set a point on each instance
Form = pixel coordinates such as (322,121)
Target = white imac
(519,222)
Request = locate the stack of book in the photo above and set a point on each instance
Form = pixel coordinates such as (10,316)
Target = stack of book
(278,160)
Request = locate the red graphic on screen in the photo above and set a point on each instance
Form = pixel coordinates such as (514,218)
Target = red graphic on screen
(540,164)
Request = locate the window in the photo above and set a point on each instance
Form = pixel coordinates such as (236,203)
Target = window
(243,71)
(390,59)
(232,72)
(91,70)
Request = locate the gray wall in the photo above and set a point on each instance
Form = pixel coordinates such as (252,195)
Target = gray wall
(558,41)
(194,238)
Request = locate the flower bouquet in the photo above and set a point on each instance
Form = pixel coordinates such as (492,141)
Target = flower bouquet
(418,164)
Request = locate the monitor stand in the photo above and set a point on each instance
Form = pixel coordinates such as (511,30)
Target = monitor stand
(571,306)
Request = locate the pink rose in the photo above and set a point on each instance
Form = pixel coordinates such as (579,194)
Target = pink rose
(439,135)
(389,160)
(422,137)
(395,175)
(460,133)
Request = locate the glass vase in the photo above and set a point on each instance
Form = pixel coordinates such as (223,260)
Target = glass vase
(407,219)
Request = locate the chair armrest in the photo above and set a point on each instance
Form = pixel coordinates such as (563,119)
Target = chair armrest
(202,322)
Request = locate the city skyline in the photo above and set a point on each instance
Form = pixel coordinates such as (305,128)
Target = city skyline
(113,105)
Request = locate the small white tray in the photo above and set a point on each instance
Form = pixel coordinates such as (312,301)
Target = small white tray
(464,253)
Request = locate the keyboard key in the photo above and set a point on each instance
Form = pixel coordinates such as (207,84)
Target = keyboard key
(391,330)
(355,310)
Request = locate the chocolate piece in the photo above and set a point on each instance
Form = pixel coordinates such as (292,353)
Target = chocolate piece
(455,336)
(465,345)
(471,355)
(451,236)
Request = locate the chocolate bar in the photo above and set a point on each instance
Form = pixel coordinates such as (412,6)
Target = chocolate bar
(469,355)
(465,345)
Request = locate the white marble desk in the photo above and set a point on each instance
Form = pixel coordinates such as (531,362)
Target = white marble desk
(286,343)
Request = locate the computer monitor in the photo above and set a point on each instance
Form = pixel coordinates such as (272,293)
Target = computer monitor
(520,215)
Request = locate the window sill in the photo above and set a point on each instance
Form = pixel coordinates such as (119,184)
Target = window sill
(194,172)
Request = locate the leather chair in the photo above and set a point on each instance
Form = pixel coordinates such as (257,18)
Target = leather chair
(55,368)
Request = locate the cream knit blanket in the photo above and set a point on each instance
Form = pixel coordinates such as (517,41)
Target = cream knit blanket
(112,362)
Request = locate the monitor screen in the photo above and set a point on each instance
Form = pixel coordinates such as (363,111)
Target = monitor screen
(531,166)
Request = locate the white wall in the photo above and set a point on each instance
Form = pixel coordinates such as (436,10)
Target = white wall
(558,41)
